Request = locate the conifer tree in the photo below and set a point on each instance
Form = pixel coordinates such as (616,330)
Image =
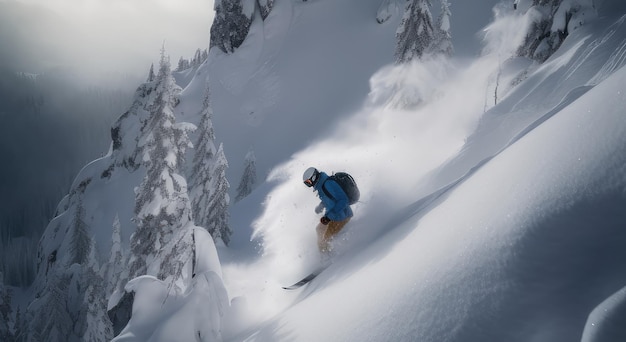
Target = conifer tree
(151,73)
(415,34)
(203,159)
(92,322)
(5,312)
(443,41)
(81,242)
(219,200)
(115,271)
(18,320)
(116,255)
(544,36)
(210,187)
(161,202)
(230,26)
(266,7)
(51,321)
(183,64)
(248,179)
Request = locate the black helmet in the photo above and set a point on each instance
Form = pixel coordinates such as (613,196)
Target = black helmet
(310,176)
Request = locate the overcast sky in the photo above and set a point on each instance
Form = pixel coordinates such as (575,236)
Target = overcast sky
(100,36)
(125,36)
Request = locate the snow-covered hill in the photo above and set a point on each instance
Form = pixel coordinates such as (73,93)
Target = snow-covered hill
(493,191)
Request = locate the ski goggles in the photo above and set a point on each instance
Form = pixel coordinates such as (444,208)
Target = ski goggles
(308,182)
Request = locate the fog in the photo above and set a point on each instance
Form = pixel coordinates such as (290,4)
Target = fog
(93,38)
(68,69)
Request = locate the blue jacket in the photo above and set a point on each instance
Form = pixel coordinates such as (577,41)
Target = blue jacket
(337,207)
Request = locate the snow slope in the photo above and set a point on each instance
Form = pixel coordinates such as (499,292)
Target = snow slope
(492,188)
(502,226)
(521,250)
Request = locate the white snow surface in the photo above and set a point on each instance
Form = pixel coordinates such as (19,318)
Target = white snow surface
(504,225)
(493,189)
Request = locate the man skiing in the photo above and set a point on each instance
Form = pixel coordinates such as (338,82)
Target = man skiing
(334,200)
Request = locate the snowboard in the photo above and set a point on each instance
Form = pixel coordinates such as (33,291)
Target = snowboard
(306,279)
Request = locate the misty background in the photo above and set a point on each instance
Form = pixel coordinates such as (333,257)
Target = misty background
(68,69)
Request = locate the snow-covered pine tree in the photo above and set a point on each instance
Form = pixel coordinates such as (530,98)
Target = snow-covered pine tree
(151,73)
(92,322)
(552,22)
(48,318)
(161,203)
(117,254)
(80,242)
(55,313)
(266,7)
(183,64)
(115,271)
(248,179)
(116,276)
(199,57)
(219,200)
(97,325)
(209,189)
(230,25)
(443,38)
(5,312)
(415,34)
(203,159)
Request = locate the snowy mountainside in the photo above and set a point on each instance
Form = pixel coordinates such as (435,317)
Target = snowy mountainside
(296,74)
(515,252)
(119,222)
(492,190)
(503,217)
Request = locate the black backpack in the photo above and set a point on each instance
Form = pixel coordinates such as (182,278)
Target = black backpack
(347,184)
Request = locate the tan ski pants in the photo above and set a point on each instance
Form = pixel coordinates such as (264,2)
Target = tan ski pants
(325,233)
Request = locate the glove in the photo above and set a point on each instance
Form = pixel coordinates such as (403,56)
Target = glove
(319,208)
(324,220)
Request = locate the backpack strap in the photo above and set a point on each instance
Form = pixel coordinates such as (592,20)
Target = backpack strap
(324,188)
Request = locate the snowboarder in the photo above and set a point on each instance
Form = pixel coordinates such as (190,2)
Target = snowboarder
(334,200)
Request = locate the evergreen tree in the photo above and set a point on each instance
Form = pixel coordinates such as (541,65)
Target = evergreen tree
(200,57)
(443,42)
(161,202)
(116,275)
(5,312)
(73,306)
(183,64)
(197,58)
(92,322)
(219,200)
(552,22)
(415,34)
(202,160)
(230,25)
(248,179)
(209,185)
(266,7)
(18,321)
(116,255)
(80,241)
(51,320)
(55,315)
(115,271)
(151,73)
